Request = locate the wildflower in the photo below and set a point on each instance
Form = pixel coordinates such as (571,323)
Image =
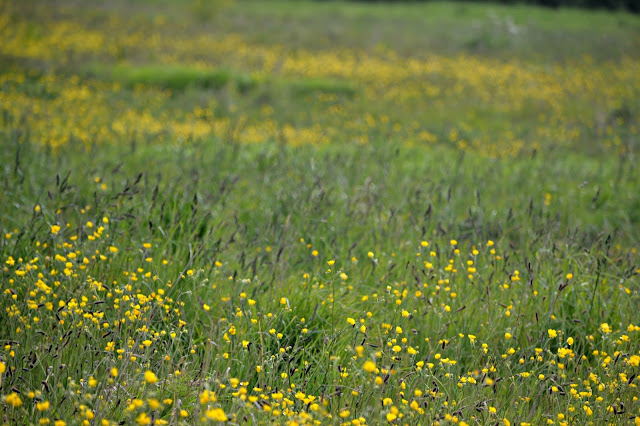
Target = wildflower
(143,419)
(369,366)
(13,399)
(217,415)
(206,396)
(150,377)
(55,229)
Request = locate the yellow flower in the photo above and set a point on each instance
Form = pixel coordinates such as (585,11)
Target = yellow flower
(13,399)
(150,377)
(143,419)
(55,229)
(552,333)
(217,415)
(369,366)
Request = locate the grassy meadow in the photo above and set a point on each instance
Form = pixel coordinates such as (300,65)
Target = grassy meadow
(293,212)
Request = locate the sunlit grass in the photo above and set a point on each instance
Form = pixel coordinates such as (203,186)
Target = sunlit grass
(333,236)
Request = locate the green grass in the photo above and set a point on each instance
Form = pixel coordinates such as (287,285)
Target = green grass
(439,27)
(180,78)
(271,274)
(503,31)
(235,201)
(174,77)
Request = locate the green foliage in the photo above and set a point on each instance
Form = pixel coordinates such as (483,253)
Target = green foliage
(174,77)
(159,265)
(206,10)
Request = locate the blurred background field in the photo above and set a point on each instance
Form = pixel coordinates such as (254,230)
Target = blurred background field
(492,79)
(318,212)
